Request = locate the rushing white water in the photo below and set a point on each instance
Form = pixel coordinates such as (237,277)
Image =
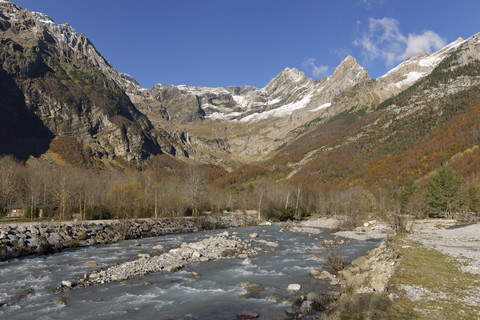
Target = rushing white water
(215,295)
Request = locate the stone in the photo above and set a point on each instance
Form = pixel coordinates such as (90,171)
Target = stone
(92,265)
(173,268)
(225,233)
(245,315)
(146,283)
(294,287)
(306,307)
(93,276)
(247,261)
(315,272)
(362,263)
(314,296)
(324,275)
(67,284)
(158,247)
(379,282)
(253,290)
(61,300)
(247,284)
(243,255)
(3,253)
(291,312)
(351,279)
(253,235)
(193,276)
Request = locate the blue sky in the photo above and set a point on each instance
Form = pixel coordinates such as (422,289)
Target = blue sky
(224,43)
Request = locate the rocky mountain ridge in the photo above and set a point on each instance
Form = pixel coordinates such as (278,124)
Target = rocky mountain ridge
(45,74)
(226,126)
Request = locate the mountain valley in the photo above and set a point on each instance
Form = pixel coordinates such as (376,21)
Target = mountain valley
(336,129)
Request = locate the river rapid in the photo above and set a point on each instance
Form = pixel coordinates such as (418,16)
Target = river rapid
(209,290)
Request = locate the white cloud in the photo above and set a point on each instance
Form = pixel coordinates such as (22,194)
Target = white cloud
(384,40)
(428,41)
(370,3)
(316,71)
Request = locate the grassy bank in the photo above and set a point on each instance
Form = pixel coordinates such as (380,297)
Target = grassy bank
(431,285)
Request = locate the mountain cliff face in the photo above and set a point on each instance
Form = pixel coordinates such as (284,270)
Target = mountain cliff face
(50,77)
(55,83)
(436,116)
(260,120)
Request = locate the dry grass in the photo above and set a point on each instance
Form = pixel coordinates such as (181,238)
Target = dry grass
(430,285)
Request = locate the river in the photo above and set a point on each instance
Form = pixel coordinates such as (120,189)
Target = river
(216,294)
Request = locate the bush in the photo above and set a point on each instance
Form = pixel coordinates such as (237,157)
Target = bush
(335,257)
(287,213)
(97,213)
(47,212)
(28,213)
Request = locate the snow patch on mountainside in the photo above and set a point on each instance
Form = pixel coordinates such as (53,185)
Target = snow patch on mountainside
(282,111)
(241,101)
(411,78)
(323,106)
(42,17)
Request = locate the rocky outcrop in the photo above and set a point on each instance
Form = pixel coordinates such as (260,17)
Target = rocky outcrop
(26,239)
(59,79)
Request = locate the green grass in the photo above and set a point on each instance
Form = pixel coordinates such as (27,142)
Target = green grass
(440,277)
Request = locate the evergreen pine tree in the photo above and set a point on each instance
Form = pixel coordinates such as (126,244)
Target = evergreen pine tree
(443,192)
(409,188)
(472,198)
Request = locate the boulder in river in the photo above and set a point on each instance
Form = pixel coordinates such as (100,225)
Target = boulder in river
(294,287)
(3,253)
(245,315)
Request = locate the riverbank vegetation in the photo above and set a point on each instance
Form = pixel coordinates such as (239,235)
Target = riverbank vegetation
(164,189)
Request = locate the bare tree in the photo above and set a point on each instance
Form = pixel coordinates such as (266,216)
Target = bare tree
(8,181)
(32,185)
(195,188)
(63,192)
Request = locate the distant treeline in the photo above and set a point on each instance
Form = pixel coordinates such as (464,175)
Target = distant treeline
(66,192)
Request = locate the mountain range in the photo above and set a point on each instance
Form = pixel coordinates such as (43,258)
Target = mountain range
(59,94)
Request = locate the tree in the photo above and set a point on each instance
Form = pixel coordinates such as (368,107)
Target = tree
(32,184)
(409,188)
(127,200)
(472,198)
(63,192)
(8,182)
(443,191)
(195,188)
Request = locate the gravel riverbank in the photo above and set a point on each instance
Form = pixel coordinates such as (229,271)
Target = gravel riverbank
(461,242)
(220,246)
